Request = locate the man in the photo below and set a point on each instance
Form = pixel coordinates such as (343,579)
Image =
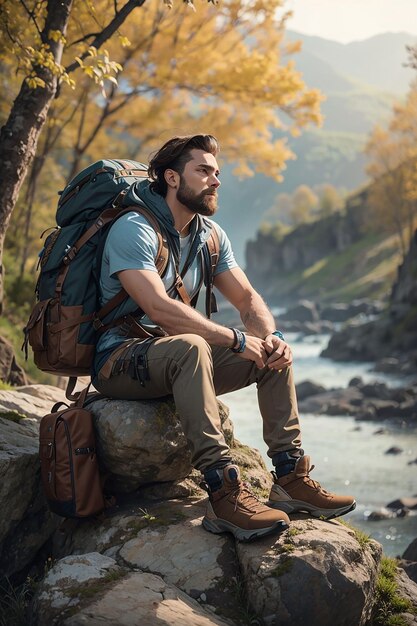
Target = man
(196,359)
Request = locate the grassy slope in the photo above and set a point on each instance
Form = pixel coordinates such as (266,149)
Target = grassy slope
(365,270)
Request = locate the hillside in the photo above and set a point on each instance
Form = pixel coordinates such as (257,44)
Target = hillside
(335,259)
(358,95)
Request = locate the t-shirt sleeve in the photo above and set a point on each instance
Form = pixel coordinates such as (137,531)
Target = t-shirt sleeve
(227,258)
(132,244)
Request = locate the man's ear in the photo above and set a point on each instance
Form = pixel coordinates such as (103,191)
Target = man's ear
(172,178)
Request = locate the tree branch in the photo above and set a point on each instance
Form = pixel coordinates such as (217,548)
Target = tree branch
(32,17)
(109,30)
(81,39)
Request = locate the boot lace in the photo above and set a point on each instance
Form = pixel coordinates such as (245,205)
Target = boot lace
(314,484)
(246,498)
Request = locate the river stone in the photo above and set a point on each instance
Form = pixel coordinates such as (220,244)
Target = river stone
(304,311)
(333,402)
(25,522)
(317,573)
(142,442)
(308,388)
(146,600)
(401,503)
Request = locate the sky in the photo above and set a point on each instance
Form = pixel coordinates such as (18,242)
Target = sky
(352,20)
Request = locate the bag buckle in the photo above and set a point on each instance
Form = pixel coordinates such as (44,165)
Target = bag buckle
(97,323)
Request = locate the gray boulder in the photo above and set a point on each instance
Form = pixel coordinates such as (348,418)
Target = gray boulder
(307,388)
(402,503)
(319,574)
(341,312)
(143,442)
(336,313)
(304,311)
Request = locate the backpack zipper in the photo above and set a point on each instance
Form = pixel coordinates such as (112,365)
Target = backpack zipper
(66,428)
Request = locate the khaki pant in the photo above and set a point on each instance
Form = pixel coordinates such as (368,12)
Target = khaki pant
(194,372)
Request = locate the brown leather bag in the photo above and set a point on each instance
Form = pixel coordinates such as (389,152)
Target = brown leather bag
(69,468)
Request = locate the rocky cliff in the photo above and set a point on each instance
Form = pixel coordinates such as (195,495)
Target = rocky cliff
(392,337)
(269,262)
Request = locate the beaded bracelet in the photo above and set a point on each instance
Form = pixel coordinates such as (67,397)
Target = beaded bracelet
(240,341)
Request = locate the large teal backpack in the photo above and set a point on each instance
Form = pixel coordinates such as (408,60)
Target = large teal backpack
(62,329)
(64,324)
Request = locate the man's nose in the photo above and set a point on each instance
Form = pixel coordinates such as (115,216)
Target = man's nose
(215,182)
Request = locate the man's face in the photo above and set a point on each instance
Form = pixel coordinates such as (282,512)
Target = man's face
(199,183)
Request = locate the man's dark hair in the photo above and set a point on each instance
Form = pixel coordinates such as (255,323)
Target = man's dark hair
(174,154)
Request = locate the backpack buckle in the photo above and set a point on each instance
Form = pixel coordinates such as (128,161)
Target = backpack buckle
(97,323)
(117,202)
(69,255)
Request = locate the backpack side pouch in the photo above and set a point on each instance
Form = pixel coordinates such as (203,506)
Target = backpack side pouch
(52,332)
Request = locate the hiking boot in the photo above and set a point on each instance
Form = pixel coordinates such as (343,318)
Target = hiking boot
(298,492)
(233,508)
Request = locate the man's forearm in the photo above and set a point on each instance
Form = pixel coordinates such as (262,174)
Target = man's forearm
(177,318)
(256,316)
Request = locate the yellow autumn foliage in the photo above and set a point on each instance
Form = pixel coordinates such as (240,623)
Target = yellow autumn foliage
(393,169)
(222,69)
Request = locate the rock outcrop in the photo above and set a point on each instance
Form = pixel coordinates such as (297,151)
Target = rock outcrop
(325,562)
(92,589)
(392,334)
(148,560)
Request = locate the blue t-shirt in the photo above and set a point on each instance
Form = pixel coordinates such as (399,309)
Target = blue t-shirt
(133,244)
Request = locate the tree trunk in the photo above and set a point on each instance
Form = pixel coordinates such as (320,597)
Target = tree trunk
(19,136)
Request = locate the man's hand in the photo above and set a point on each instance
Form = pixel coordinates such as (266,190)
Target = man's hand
(255,351)
(278,351)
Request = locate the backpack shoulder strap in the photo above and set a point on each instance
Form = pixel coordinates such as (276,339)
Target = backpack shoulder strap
(213,253)
(213,245)
(162,255)
(161,261)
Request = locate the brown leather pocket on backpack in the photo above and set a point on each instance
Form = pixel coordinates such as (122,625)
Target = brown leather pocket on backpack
(36,326)
(64,349)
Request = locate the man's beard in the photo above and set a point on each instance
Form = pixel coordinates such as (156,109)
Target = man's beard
(204,203)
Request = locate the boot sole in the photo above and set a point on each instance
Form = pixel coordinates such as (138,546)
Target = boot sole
(219,526)
(297,506)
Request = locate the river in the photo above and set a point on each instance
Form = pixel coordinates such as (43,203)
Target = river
(348,455)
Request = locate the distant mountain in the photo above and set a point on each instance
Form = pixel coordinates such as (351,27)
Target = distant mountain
(378,61)
(360,81)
